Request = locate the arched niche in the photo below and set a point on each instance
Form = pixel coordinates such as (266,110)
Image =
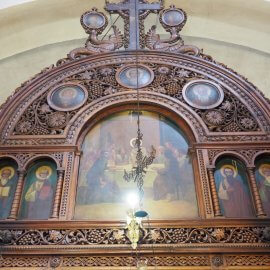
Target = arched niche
(39,190)
(262,176)
(233,189)
(107,149)
(8,183)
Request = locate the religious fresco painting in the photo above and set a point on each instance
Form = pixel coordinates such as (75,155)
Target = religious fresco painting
(8,183)
(262,175)
(38,192)
(233,190)
(109,149)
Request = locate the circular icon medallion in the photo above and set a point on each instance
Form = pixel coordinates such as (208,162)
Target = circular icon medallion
(135,76)
(203,94)
(67,97)
(173,17)
(93,20)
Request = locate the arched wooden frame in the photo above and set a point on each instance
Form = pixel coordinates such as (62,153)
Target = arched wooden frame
(253,189)
(181,124)
(259,155)
(27,166)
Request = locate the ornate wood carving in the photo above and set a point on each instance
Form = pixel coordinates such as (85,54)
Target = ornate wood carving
(255,191)
(189,237)
(17,196)
(216,206)
(193,261)
(31,129)
(58,193)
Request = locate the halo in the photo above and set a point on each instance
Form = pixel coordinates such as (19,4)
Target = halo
(262,167)
(74,92)
(131,142)
(44,168)
(230,167)
(9,168)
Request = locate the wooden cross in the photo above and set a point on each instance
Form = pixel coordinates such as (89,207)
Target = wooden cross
(134,7)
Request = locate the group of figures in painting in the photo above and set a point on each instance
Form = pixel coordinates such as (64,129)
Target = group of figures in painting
(101,190)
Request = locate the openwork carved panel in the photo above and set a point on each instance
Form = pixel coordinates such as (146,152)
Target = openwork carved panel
(41,119)
(170,77)
(189,237)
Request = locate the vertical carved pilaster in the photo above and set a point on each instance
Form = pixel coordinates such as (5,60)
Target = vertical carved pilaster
(58,193)
(17,196)
(217,211)
(255,192)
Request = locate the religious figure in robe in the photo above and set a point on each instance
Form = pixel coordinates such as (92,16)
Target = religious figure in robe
(167,182)
(7,189)
(38,198)
(264,186)
(233,195)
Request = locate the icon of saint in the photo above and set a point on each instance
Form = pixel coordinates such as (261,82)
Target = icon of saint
(7,188)
(264,186)
(67,96)
(39,195)
(233,195)
(136,75)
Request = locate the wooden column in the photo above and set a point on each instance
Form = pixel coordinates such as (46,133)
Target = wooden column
(217,211)
(58,193)
(17,196)
(255,192)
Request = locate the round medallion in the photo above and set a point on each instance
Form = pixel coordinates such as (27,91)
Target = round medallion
(203,94)
(93,20)
(67,97)
(173,17)
(135,76)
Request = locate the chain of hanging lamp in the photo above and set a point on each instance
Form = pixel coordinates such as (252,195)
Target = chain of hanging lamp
(142,162)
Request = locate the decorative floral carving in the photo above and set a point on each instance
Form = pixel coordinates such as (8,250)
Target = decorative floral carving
(214,117)
(224,235)
(217,261)
(6,236)
(219,234)
(55,262)
(163,70)
(24,127)
(247,123)
(57,119)
(54,236)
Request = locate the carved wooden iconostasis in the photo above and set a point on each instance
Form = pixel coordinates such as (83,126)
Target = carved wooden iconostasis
(67,136)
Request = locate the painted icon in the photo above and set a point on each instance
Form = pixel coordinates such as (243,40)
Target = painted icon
(107,152)
(203,94)
(135,76)
(263,181)
(93,20)
(67,97)
(39,189)
(173,17)
(233,190)
(8,182)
